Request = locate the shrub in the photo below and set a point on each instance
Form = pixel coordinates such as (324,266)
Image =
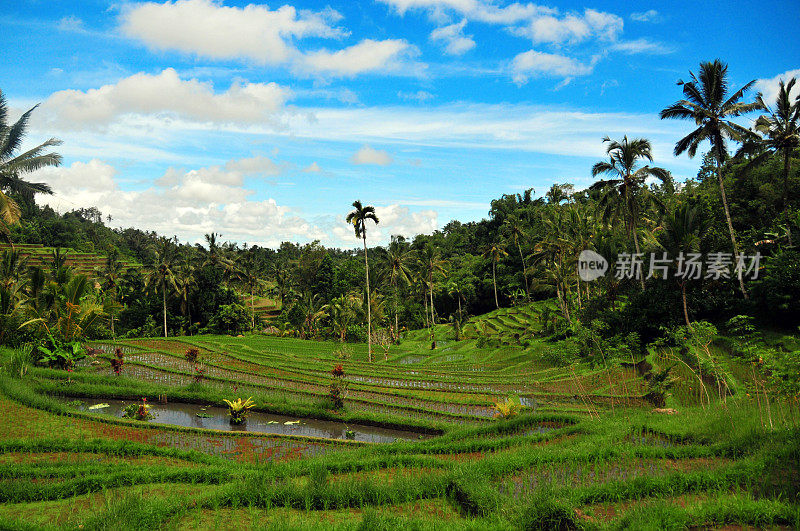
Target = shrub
(60,354)
(230,319)
(239,409)
(118,361)
(777,291)
(508,408)
(138,411)
(338,388)
(192,355)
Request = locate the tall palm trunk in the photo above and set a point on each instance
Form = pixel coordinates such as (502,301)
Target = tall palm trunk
(632,228)
(685,309)
(433,315)
(425,304)
(494,282)
(730,225)
(252,309)
(164,298)
(524,271)
(396,334)
(787,166)
(369,306)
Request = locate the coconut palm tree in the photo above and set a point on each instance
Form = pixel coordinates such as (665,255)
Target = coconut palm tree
(342,311)
(111,276)
(553,253)
(707,103)
(779,132)
(13,166)
(246,274)
(512,226)
(398,269)
(624,192)
(358,218)
(431,264)
(160,277)
(495,253)
(679,234)
(185,283)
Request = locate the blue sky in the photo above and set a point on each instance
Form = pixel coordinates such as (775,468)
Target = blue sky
(265,121)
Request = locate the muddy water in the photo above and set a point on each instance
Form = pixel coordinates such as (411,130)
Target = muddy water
(180,414)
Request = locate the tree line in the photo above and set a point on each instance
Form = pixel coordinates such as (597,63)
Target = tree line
(742,202)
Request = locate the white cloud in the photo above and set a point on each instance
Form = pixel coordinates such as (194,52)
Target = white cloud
(312,168)
(769,87)
(637,46)
(368,155)
(484,11)
(420,95)
(187,204)
(572,28)
(254,166)
(207,28)
(535,63)
(651,15)
(523,128)
(165,93)
(367,56)
(453,38)
(70,23)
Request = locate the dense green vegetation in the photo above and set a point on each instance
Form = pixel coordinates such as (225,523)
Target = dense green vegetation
(529,398)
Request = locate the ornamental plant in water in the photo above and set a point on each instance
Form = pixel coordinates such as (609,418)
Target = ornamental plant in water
(138,411)
(239,409)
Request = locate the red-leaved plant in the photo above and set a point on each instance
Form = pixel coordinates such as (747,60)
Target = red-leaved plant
(338,387)
(118,361)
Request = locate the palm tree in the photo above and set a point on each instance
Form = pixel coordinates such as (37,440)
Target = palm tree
(779,134)
(358,218)
(342,310)
(313,311)
(708,104)
(678,235)
(456,290)
(111,275)
(580,228)
(11,166)
(160,276)
(398,269)
(495,253)
(624,191)
(245,271)
(185,282)
(513,228)
(552,253)
(431,264)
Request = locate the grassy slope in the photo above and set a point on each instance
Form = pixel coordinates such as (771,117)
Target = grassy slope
(585,464)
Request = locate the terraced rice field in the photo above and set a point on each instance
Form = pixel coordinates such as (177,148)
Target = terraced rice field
(589,452)
(35,254)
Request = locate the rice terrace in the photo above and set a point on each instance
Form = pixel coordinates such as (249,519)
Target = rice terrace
(569,301)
